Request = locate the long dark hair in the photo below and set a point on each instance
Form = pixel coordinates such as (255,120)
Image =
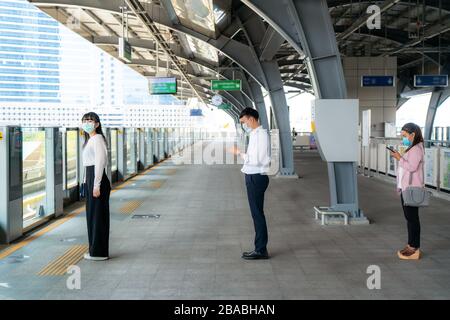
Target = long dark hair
(413,128)
(93,116)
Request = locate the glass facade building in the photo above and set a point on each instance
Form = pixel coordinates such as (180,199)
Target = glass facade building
(30,54)
(50,76)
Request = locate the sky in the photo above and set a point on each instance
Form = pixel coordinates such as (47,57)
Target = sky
(415,110)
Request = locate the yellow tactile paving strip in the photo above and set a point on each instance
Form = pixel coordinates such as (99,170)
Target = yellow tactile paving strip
(130,206)
(56,223)
(13,248)
(124,184)
(58,267)
(169,172)
(156,184)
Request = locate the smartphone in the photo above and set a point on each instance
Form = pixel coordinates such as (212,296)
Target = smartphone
(391,149)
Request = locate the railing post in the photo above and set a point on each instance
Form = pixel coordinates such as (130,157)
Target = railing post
(438,169)
(370,159)
(377,144)
(64,160)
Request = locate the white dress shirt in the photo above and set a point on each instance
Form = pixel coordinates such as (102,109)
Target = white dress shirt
(257,157)
(95,154)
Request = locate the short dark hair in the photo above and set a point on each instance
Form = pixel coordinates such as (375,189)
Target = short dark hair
(250,112)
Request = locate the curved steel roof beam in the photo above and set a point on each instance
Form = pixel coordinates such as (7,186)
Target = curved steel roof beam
(299,86)
(394,36)
(139,43)
(236,51)
(430,3)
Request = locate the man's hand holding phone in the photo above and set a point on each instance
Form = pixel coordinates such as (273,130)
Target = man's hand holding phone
(234,150)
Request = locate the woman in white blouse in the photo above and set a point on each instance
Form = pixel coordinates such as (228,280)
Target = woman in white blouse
(98,187)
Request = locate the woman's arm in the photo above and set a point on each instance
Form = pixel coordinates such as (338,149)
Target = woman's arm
(415,156)
(101,154)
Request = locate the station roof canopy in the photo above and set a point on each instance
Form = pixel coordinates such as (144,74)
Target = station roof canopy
(189,37)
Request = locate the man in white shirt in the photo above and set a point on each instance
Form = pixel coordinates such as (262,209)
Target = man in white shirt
(256,165)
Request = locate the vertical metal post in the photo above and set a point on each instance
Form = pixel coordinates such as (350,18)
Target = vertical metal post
(363,160)
(80,166)
(166,142)
(376,168)
(53,167)
(121,154)
(155,145)
(108,148)
(387,160)
(361,149)
(438,180)
(370,160)
(11,184)
(134,150)
(142,148)
(64,159)
(149,133)
(58,176)
(161,143)
(447,135)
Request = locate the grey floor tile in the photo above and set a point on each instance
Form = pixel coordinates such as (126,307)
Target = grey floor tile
(128,294)
(194,250)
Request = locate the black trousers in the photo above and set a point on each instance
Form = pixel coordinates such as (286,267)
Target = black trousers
(256,187)
(97,215)
(413,224)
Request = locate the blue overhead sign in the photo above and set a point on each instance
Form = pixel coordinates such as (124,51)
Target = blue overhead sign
(377,81)
(196,112)
(431,80)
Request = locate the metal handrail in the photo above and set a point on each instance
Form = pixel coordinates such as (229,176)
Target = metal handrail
(399,139)
(366,163)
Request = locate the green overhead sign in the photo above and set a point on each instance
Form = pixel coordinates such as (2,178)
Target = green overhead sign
(124,50)
(224,106)
(162,85)
(226,85)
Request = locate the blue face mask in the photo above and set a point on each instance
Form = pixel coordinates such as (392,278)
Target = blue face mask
(88,127)
(406,142)
(246,128)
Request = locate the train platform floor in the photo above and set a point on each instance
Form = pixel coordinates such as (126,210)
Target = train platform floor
(178,232)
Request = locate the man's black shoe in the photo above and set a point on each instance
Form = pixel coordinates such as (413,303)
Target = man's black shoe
(254,255)
(252,252)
